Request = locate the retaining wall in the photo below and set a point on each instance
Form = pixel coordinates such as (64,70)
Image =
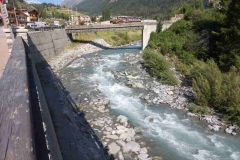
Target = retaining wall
(48,44)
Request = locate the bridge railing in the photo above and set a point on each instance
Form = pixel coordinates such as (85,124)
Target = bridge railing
(24,135)
(111,25)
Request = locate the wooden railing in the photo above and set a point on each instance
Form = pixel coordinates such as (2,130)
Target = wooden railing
(26,128)
(16,132)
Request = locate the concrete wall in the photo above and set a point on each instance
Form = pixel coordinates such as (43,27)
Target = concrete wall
(45,45)
(146,33)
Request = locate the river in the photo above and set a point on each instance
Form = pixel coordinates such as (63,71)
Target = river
(169,133)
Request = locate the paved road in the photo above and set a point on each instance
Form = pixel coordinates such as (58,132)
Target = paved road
(4,54)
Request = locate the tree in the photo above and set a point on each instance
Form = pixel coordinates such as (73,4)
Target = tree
(106,15)
(229,43)
(44,14)
(159,27)
(93,18)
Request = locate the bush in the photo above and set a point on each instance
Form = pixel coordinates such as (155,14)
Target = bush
(182,67)
(82,23)
(198,109)
(216,89)
(159,67)
(27,27)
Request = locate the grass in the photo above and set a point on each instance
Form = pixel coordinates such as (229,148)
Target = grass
(117,38)
(72,45)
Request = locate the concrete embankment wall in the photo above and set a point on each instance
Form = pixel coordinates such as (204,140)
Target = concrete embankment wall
(47,44)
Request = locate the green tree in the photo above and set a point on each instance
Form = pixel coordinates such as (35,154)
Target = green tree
(106,15)
(229,43)
(159,27)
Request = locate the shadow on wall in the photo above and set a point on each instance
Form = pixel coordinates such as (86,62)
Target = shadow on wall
(76,138)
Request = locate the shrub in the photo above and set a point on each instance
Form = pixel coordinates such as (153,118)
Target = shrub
(27,27)
(216,89)
(198,109)
(159,67)
(182,67)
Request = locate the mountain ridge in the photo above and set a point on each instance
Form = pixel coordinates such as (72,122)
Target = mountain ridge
(143,8)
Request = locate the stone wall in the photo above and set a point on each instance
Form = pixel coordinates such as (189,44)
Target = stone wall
(45,45)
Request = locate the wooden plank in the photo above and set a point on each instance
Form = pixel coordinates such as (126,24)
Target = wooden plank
(16,135)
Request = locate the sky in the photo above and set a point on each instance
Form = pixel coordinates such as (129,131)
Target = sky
(47,1)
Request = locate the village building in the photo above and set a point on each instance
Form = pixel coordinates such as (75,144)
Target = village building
(21,17)
(77,19)
(32,15)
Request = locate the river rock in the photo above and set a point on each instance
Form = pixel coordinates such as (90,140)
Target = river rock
(122,119)
(143,150)
(133,146)
(106,133)
(113,148)
(234,133)
(129,84)
(228,130)
(138,85)
(109,129)
(191,114)
(126,149)
(120,156)
(137,129)
(214,127)
(142,156)
(121,143)
(112,136)
(124,136)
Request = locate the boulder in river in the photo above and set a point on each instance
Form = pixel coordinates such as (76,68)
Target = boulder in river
(129,84)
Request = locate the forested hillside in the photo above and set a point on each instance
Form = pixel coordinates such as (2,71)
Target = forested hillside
(144,8)
(204,46)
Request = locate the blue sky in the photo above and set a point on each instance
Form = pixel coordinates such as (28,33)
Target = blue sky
(50,1)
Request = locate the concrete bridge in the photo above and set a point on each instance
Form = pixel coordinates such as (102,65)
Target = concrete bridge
(147,29)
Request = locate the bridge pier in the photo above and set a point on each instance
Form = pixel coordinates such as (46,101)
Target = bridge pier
(71,36)
(146,32)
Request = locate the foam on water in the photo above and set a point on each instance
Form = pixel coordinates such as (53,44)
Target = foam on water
(235,155)
(181,138)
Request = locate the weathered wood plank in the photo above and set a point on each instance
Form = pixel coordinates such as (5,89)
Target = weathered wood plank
(16,136)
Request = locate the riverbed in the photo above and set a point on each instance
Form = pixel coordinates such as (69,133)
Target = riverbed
(117,76)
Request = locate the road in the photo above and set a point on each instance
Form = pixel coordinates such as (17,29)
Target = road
(4,54)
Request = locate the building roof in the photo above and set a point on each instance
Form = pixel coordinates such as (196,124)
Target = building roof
(21,12)
(32,10)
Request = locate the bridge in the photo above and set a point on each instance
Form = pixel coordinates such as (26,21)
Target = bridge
(147,29)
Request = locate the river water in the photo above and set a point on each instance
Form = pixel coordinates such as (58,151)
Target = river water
(171,135)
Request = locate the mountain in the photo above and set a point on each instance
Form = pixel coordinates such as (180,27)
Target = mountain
(71,3)
(32,1)
(144,8)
